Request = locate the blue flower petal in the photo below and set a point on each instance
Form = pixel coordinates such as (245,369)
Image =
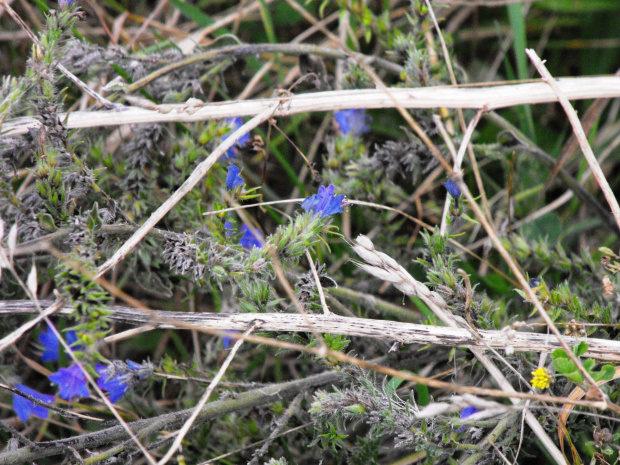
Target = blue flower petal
(324,203)
(50,343)
(353,122)
(229,228)
(453,189)
(234,124)
(232,177)
(228,340)
(24,407)
(248,240)
(468,412)
(71,382)
(114,386)
(133,366)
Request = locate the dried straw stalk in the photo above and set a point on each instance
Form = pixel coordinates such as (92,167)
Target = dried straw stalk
(489,97)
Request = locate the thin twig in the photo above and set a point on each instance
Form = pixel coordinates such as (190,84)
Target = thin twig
(319,287)
(579,134)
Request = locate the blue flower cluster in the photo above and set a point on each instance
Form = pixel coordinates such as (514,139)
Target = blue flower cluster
(117,379)
(234,124)
(354,122)
(324,203)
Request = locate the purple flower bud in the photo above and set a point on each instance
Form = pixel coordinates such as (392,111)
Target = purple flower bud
(63,4)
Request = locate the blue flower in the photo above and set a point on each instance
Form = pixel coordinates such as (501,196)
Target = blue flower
(65,3)
(534,282)
(248,240)
(229,228)
(324,203)
(234,124)
(119,377)
(112,384)
(49,341)
(24,407)
(227,340)
(71,382)
(232,178)
(353,122)
(468,412)
(453,189)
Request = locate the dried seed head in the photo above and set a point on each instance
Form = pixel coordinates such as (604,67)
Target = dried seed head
(573,328)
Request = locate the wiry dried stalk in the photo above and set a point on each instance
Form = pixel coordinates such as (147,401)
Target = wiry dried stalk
(488,98)
(407,333)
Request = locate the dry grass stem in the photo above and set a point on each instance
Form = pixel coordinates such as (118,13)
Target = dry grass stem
(488,98)
(407,333)
(579,134)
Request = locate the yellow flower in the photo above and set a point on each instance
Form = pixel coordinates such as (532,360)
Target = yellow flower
(541,378)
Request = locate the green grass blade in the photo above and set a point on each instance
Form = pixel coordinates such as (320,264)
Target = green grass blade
(517,23)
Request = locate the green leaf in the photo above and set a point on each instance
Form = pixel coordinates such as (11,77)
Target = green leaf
(579,7)
(47,222)
(607,251)
(517,24)
(589,364)
(558,353)
(393,384)
(469,218)
(191,12)
(607,372)
(580,349)
(423,397)
(564,365)
(575,377)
